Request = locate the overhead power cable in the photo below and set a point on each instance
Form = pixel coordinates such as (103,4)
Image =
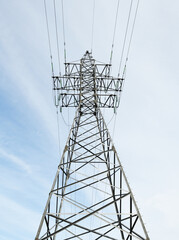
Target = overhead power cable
(65,121)
(110,119)
(48,34)
(92,33)
(58,130)
(125,37)
(114,33)
(131,36)
(56,28)
(128,48)
(64,39)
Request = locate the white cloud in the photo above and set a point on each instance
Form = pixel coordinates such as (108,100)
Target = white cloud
(32,171)
(18,59)
(148,115)
(16,160)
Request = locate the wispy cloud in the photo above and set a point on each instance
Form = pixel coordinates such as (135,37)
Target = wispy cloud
(147,119)
(16,160)
(30,85)
(31,170)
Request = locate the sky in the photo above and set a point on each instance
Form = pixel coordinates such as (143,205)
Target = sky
(146,128)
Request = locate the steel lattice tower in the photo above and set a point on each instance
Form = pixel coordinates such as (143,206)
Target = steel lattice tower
(90,197)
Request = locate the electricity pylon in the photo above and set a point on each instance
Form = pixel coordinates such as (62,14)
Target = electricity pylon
(90,197)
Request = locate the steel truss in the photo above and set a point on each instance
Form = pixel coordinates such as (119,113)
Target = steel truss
(90,197)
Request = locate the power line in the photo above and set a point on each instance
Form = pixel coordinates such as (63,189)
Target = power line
(114,33)
(63,20)
(92,35)
(48,34)
(58,50)
(131,36)
(65,121)
(57,39)
(114,126)
(129,46)
(125,36)
(110,119)
(58,131)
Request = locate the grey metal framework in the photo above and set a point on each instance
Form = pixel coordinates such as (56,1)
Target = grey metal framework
(90,197)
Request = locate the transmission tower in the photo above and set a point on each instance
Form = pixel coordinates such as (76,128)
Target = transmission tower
(90,197)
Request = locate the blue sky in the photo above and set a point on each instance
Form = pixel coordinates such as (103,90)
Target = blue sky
(146,130)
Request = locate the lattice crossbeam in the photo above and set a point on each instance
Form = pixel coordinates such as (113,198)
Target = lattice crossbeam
(90,197)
